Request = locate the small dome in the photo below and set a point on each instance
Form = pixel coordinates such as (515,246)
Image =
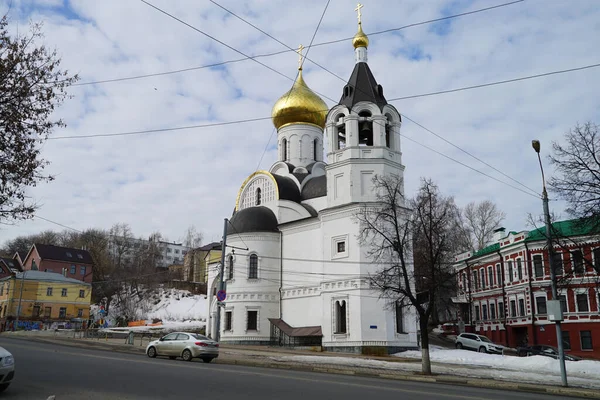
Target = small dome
(360,39)
(299,105)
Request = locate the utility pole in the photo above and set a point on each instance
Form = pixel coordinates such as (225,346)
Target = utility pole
(222,280)
(20,299)
(559,340)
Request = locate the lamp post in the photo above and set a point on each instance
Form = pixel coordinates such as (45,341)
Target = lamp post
(556,303)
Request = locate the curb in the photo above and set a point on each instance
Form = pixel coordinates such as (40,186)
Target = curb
(440,379)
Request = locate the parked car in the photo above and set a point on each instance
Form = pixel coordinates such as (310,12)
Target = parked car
(7,368)
(544,350)
(480,343)
(185,345)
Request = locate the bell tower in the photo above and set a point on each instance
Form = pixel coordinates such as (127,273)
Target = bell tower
(363,133)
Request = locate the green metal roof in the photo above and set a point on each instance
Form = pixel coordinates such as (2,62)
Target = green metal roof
(486,250)
(572,227)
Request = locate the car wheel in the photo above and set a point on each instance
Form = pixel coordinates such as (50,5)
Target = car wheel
(482,349)
(207,360)
(152,352)
(459,345)
(186,355)
(4,386)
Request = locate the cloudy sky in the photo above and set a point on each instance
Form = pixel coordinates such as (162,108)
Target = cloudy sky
(166,181)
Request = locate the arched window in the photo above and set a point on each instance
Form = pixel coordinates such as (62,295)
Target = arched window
(315,149)
(230,270)
(253,267)
(340,316)
(284,155)
(258,196)
(365,129)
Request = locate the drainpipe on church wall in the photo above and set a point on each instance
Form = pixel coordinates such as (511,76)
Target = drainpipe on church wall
(531,296)
(280,274)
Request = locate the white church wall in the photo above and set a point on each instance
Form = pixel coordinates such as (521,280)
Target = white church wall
(300,310)
(289,211)
(246,294)
(302,253)
(318,203)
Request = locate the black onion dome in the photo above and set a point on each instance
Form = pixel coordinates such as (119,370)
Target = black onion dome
(253,219)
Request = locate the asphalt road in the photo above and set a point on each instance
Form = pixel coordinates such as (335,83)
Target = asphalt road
(43,370)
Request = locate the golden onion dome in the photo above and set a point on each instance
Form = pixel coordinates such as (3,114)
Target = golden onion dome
(299,105)
(360,39)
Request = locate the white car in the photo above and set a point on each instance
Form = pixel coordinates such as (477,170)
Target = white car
(478,343)
(7,368)
(185,345)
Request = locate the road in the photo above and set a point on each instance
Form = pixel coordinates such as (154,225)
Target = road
(72,373)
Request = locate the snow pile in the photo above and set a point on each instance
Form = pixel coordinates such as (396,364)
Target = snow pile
(535,369)
(174,307)
(539,364)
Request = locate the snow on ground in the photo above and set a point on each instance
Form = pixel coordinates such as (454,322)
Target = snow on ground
(540,364)
(535,369)
(175,308)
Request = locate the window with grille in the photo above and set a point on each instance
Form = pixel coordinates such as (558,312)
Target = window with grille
(521,307)
(228,319)
(253,267)
(252,324)
(582,302)
(230,268)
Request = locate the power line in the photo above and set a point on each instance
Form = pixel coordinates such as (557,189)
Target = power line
(286,51)
(343,80)
(219,41)
(470,154)
(299,70)
(249,120)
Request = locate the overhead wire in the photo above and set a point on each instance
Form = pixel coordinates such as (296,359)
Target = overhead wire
(286,51)
(535,194)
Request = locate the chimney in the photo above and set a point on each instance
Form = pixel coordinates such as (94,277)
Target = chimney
(498,234)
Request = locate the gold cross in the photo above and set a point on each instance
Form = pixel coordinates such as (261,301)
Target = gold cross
(357,9)
(299,51)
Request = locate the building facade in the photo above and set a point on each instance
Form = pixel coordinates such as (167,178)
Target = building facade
(295,271)
(194,263)
(72,263)
(504,288)
(166,253)
(43,300)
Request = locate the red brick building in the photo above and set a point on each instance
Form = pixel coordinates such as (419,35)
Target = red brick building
(72,263)
(503,289)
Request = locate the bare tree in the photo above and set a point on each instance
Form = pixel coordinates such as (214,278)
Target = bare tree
(390,229)
(192,238)
(577,166)
(31,87)
(122,242)
(480,220)
(22,244)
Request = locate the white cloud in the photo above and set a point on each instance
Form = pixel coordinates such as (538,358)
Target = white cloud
(167,181)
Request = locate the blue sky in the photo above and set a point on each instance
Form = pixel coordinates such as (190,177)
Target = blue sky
(169,180)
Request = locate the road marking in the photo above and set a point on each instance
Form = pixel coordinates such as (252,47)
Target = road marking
(223,369)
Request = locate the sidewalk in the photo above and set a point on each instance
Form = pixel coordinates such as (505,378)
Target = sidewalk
(395,368)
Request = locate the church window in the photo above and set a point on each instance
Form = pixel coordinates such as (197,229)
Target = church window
(315,149)
(258,196)
(341,247)
(340,316)
(252,324)
(228,319)
(253,267)
(341,137)
(230,269)
(365,129)
(388,144)
(399,318)
(284,155)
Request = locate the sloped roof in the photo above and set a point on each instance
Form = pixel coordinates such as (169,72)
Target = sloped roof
(57,253)
(11,263)
(296,332)
(288,189)
(210,246)
(572,227)
(362,86)
(47,277)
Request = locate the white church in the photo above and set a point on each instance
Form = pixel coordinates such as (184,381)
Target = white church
(303,280)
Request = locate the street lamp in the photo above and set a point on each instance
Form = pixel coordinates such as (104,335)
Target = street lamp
(554,307)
